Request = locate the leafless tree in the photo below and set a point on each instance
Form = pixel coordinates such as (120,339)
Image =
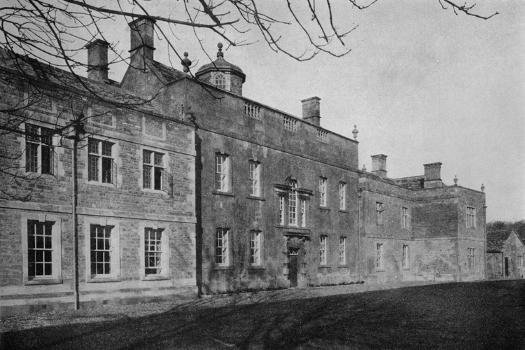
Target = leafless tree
(53,32)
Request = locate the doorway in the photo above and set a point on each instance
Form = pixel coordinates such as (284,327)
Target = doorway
(293,266)
(507,267)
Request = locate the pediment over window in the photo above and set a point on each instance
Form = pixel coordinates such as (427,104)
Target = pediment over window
(282,187)
(305,192)
(287,188)
(297,232)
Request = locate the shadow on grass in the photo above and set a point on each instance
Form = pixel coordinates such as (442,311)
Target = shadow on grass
(470,315)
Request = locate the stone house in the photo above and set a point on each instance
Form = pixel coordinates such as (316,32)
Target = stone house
(505,255)
(268,184)
(419,229)
(136,219)
(233,194)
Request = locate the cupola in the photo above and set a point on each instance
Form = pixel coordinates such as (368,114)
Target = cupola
(222,74)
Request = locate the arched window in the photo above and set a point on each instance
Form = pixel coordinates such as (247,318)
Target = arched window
(220,81)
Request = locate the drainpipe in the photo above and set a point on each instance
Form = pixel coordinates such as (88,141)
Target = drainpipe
(358,265)
(485,240)
(78,129)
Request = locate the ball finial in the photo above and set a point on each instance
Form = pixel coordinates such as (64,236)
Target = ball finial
(186,63)
(355,132)
(220,53)
(455,180)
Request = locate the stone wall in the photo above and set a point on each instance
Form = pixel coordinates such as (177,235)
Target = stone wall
(123,204)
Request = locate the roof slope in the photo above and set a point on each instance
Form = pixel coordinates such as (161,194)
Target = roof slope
(496,240)
(167,74)
(37,72)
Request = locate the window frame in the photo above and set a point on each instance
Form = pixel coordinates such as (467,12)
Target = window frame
(223,179)
(323,191)
(293,199)
(115,255)
(405,217)
(342,195)
(56,246)
(342,251)
(99,156)
(471,217)
(323,250)
(153,166)
(303,210)
(219,80)
(471,258)
(255,248)
(406,257)
(254,175)
(40,144)
(380,208)
(282,209)
(106,236)
(380,263)
(165,251)
(225,258)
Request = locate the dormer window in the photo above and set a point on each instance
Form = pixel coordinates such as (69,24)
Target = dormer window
(220,81)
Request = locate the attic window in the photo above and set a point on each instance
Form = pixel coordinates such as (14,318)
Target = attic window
(220,82)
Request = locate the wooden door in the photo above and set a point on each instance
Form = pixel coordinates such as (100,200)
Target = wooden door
(292,267)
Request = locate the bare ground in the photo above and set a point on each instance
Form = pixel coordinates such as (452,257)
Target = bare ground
(483,315)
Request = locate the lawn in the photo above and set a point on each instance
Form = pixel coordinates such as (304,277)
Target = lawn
(484,315)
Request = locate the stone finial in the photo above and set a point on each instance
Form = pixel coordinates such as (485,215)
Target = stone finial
(355,132)
(455,180)
(364,167)
(186,63)
(220,53)
(482,188)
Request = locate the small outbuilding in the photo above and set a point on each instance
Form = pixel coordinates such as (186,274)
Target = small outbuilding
(505,252)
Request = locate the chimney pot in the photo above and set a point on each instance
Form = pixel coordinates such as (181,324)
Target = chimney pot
(142,31)
(312,110)
(433,175)
(379,165)
(97,60)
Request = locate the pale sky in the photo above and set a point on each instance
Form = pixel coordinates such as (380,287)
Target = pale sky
(421,84)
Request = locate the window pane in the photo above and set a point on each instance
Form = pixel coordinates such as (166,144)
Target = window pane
(93,168)
(158,178)
(32,133)
(146,156)
(46,136)
(106,148)
(46,159)
(31,157)
(93,146)
(39,269)
(39,255)
(47,269)
(106,170)
(146,176)
(31,268)
(158,158)
(99,269)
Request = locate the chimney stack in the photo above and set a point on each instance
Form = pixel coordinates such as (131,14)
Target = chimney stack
(97,60)
(379,165)
(312,110)
(142,42)
(433,175)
